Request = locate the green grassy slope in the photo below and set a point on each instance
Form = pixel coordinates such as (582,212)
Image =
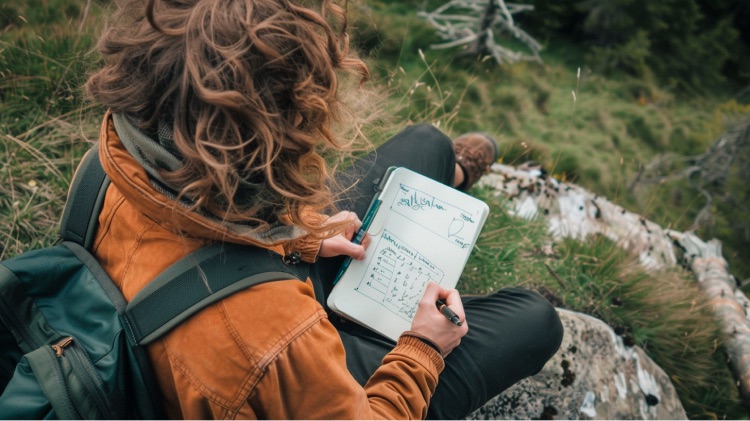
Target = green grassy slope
(598,140)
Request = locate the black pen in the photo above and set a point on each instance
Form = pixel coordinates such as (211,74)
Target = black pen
(447,312)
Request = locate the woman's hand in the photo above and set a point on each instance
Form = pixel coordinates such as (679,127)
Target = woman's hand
(341,244)
(431,324)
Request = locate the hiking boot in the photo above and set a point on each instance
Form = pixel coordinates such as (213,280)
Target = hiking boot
(475,152)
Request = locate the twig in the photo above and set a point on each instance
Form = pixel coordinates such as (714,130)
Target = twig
(556,276)
(85,15)
(38,154)
(461,22)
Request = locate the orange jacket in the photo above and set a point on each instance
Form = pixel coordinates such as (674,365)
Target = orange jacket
(266,352)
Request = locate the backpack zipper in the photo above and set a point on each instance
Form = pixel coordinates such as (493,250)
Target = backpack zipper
(68,408)
(59,347)
(79,359)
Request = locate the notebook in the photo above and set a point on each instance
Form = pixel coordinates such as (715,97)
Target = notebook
(421,230)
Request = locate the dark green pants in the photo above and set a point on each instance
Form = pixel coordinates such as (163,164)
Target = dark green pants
(513,332)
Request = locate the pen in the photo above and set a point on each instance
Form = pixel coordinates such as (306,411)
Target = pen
(367,222)
(447,312)
(359,236)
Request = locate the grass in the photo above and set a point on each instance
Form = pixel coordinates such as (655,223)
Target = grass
(598,138)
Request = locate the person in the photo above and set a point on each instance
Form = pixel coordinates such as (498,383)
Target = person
(218,114)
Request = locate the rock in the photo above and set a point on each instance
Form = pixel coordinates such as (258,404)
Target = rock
(594,375)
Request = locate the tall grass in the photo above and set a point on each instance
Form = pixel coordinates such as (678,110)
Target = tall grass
(45,124)
(665,313)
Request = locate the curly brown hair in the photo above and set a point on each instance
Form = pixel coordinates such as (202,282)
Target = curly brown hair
(251,89)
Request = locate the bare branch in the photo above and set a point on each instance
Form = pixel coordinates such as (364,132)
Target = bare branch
(474,23)
(707,169)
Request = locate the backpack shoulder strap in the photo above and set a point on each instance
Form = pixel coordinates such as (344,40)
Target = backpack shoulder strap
(198,280)
(192,283)
(85,199)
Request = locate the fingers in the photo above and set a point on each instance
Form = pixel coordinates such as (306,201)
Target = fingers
(355,251)
(453,299)
(366,240)
(350,230)
(342,216)
(352,227)
(450,296)
(435,326)
(341,243)
(432,292)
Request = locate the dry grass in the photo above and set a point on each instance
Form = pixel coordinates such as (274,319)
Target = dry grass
(36,172)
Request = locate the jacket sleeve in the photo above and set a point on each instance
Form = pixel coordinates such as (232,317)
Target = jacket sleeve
(311,377)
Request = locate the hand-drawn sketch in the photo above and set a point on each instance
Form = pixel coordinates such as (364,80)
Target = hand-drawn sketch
(397,276)
(442,218)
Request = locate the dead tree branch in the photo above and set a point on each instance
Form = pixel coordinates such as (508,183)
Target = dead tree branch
(474,24)
(705,171)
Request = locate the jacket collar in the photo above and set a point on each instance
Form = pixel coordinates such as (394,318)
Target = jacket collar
(133,182)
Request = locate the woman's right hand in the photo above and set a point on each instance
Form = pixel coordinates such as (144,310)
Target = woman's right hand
(431,324)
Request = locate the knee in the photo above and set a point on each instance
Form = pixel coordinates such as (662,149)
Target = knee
(542,318)
(430,137)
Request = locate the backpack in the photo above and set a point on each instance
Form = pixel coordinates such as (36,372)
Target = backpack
(71,347)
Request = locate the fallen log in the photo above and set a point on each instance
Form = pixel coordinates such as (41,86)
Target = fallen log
(727,300)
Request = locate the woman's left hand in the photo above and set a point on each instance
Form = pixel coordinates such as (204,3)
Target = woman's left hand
(341,243)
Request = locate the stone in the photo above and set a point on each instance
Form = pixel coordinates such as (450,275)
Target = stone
(594,375)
